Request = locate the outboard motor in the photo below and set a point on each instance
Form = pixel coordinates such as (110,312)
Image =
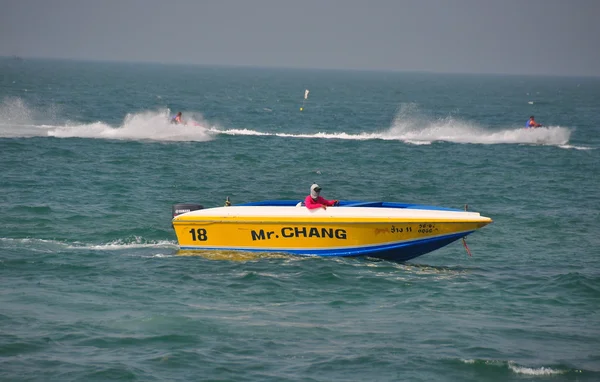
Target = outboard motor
(179,209)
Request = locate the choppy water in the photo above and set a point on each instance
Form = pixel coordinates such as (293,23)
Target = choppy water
(92,286)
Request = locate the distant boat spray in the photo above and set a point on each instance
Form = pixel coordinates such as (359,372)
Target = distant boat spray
(304,100)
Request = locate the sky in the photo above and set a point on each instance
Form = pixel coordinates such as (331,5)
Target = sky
(545,37)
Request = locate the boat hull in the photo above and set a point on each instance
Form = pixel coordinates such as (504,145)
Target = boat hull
(355,232)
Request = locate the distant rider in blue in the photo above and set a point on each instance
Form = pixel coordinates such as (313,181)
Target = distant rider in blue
(532,123)
(177,119)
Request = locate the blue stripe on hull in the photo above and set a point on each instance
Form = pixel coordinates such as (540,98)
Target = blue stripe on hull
(407,252)
(397,251)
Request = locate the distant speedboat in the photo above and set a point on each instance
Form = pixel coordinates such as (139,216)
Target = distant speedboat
(393,231)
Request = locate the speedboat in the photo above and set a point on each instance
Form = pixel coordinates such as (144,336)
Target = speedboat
(385,230)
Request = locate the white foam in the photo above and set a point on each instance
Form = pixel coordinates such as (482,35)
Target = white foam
(238,132)
(435,132)
(568,147)
(17,119)
(412,127)
(149,125)
(540,371)
(158,256)
(49,245)
(534,371)
(121,244)
(409,126)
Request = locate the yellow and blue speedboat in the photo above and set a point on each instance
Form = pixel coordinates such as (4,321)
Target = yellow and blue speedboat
(394,231)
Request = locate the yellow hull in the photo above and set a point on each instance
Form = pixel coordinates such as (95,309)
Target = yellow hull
(298,235)
(325,235)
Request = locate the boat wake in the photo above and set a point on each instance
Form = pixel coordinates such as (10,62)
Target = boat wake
(456,132)
(51,246)
(408,126)
(19,121)
(550,136)
(523,370)
(154,126)
(413,128)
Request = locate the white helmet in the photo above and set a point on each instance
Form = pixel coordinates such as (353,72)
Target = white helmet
(314,191)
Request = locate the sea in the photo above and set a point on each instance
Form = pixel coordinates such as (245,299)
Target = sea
(93,286)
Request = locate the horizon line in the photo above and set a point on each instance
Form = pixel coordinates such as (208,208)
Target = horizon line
(285,67)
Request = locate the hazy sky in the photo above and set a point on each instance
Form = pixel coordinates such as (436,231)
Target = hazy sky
(468,36)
